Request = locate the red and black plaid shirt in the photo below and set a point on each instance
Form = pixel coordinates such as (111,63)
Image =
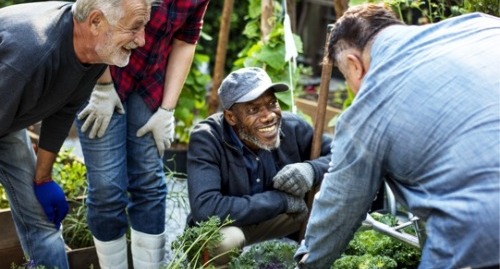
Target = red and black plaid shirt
(145,73)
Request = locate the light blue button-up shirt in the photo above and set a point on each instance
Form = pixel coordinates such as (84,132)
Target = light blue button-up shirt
(427,115)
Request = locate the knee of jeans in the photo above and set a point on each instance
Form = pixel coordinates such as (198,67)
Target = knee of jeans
(103,191)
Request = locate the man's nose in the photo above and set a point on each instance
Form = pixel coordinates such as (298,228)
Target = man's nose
(140,39)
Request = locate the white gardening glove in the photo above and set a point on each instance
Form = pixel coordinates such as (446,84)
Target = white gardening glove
(162,125)
(103,101)
(295,178)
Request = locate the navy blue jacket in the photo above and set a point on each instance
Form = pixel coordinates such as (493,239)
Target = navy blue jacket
(218,183)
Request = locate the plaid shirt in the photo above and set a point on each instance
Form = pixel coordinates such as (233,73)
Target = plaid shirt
(145,72)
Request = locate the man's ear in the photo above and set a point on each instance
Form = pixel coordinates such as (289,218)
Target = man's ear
(355,66)
(230,117)
(96,21)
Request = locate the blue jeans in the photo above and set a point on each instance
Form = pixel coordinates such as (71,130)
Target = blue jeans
(40,241)
(126,181)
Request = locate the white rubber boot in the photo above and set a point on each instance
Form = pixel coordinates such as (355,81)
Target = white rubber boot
(148,250)
(112,254)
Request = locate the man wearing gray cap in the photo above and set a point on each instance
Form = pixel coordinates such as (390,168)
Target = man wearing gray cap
(251,163)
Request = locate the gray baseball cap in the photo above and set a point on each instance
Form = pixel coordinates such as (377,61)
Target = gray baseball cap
(246,84)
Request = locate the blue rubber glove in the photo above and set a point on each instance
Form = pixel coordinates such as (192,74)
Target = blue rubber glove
(53,201)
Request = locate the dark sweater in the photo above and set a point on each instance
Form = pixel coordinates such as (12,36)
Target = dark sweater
(218,182)
(42,79)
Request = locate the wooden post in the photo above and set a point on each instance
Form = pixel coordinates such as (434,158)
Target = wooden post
(292,12)
(324,87)
(265,22)
(220,57)
(340,7)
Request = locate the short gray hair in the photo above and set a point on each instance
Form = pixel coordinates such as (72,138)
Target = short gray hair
(82,8)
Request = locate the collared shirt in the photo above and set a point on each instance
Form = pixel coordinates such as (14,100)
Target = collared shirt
(145,72)
(259,165)
(428,116)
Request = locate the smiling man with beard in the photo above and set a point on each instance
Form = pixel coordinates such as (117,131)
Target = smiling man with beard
(251,163)
(51,55)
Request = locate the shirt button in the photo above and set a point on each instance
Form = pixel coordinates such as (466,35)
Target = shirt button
(257,158)
(258,180)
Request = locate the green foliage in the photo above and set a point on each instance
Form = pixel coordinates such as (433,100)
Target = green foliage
(70,173)
(4,202)
(191,248)
(266,255)
(75,231)
(366,261)
(208,43)
(191,105)
(269,52)
(422,11)
(369,247)
(491,7)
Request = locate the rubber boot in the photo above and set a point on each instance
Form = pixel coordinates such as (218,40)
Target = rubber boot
(112,254)
(148,250)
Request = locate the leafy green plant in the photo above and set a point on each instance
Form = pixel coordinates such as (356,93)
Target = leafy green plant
(70,173)
(366,261)
(270,54)
(423,12)
(272,254)
(369,247)
(491,7)
(76,231)
(193,248)
(4,202)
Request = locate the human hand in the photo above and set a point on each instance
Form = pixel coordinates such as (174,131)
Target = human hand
(98,112)
(296,179)
(162,126)
(295,204)
(53,201)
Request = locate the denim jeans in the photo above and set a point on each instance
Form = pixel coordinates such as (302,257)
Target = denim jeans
(40,241)
(126,181)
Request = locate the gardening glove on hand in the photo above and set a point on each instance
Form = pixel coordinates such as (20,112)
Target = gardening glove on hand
(295,204)
(103,101)
(162,125)
(296,179)
(53,201)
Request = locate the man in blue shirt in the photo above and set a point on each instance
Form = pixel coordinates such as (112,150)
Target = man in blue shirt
(426,118)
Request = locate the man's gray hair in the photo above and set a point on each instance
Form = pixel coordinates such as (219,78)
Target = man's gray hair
(82,8)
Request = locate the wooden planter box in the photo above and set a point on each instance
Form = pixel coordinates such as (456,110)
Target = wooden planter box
(11,251)
(310,108)
(10,246)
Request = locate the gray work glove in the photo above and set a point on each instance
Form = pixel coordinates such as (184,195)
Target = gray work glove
(296,179)
(103,101)
(162,126)
(295,204)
